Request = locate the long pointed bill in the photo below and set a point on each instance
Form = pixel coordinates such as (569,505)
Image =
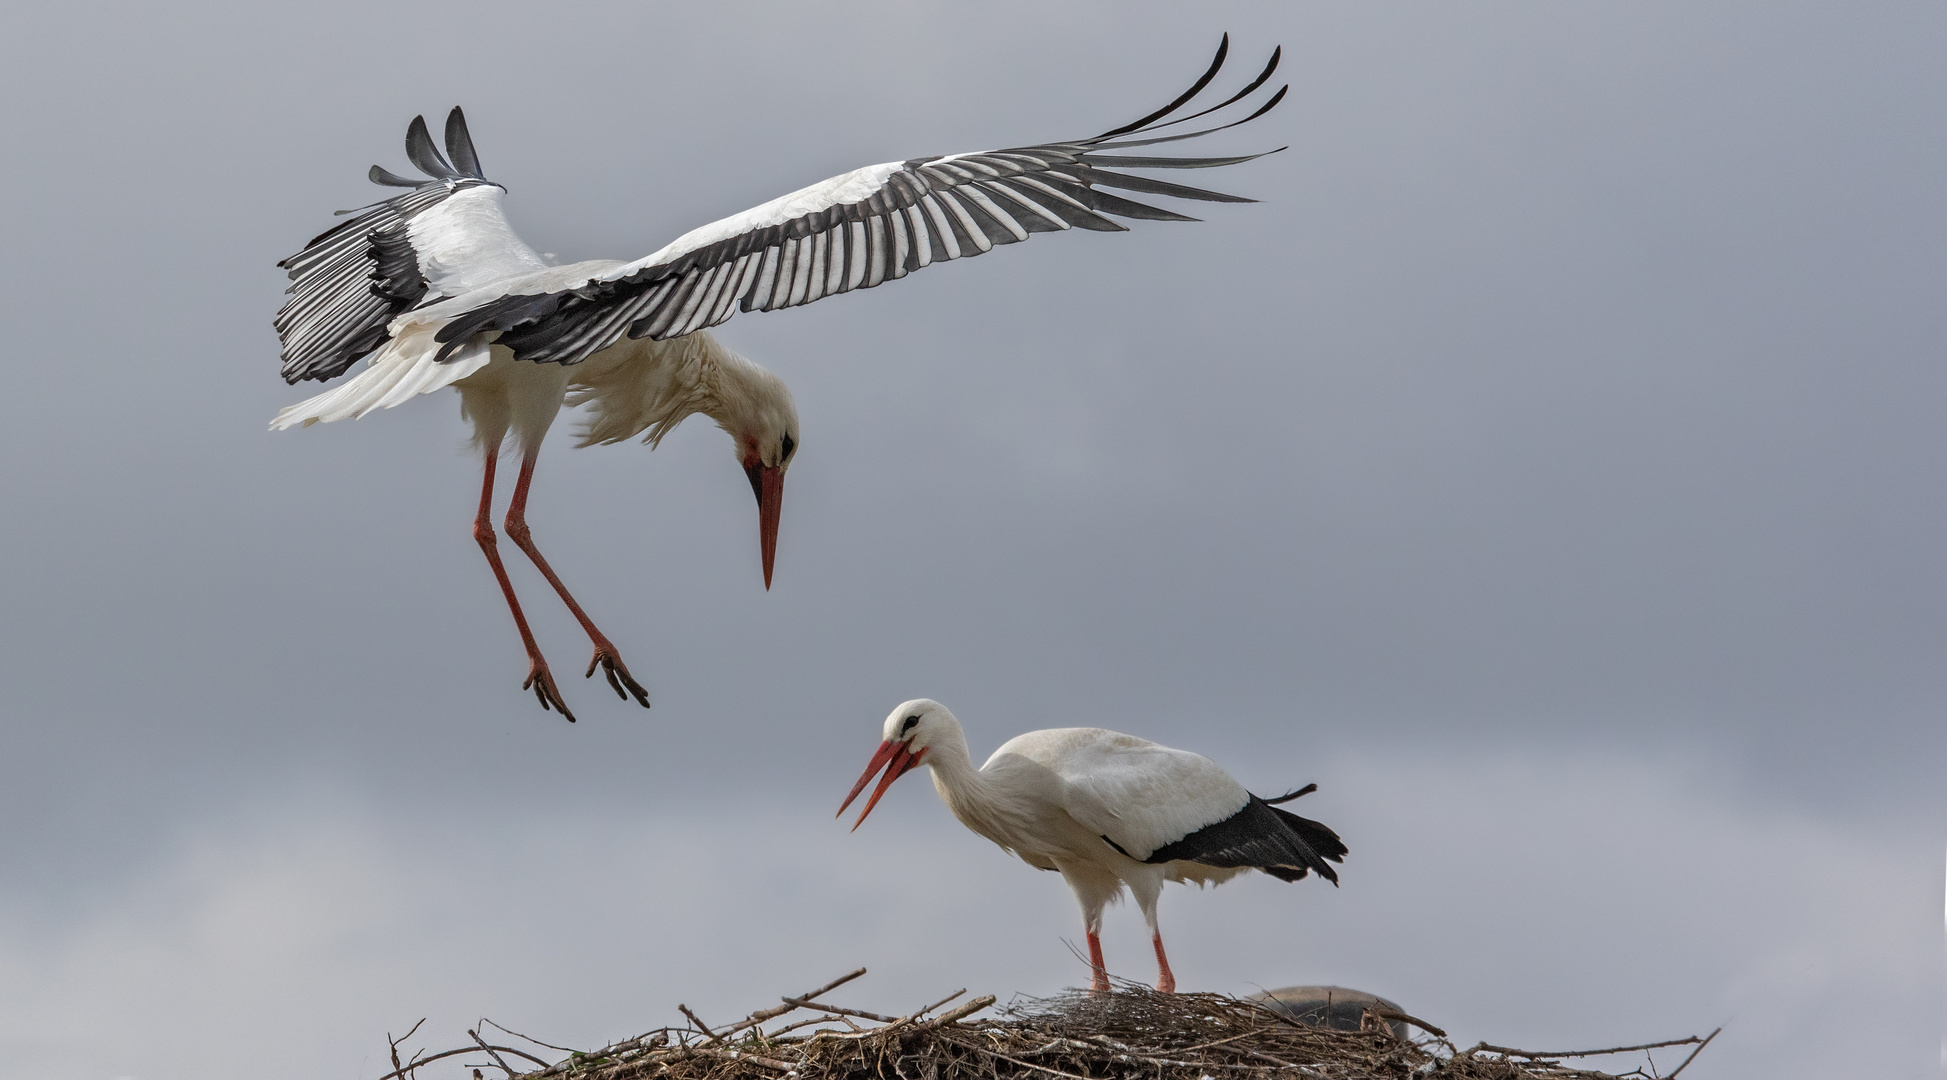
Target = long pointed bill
(879,758)
(767,483)
(897,760)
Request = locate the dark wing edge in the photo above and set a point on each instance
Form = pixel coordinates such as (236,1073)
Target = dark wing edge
(350,280)
(1262,836)
(928,210)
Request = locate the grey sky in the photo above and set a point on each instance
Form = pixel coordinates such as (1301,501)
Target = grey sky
(1549,467)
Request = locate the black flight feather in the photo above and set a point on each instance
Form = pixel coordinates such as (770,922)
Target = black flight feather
(459,145)
(387,178)
(1261,110)
(1262,77)
(424,155)
(1223,49)
(1262,836)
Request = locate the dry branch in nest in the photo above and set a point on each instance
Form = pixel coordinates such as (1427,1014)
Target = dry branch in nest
(1133,1033)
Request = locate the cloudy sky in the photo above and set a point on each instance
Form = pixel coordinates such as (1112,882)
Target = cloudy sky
(1550,468)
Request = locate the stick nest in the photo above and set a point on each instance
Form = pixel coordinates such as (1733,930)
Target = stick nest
(1133,1033)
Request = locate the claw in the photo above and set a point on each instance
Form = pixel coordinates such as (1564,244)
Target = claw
(541,681)
(618,675)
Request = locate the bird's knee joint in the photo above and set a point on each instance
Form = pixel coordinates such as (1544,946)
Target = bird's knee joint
(483,531)
(517,530)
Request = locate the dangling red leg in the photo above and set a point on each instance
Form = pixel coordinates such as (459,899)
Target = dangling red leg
(539,679)
(1099,978)
(1165,979)
(605,654)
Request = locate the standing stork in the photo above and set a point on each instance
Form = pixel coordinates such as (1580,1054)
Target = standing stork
(432,289)
(1106,810)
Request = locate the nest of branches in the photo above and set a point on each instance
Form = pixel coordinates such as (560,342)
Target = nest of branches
(1133,1033)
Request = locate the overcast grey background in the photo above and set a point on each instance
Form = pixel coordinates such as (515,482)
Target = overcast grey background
(1550,468)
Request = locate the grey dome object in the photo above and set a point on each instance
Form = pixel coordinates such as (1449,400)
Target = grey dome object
(1333,1007)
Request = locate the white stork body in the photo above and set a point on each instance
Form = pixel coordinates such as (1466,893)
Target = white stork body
(1106,810)
(432,288)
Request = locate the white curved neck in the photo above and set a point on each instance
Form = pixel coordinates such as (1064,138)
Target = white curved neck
(975,798)
(638,386)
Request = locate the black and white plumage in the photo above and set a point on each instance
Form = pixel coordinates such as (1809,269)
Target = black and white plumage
(1106,810)
(432,288)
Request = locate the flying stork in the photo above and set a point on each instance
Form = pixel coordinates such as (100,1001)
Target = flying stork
(1106,810)
(432,288)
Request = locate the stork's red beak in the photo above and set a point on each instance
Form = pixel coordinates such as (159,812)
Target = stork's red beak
(767,481)
(897,760)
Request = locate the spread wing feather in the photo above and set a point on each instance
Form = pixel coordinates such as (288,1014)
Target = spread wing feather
(853,231)
(351,280)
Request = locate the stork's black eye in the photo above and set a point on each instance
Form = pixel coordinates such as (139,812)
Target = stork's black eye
(790,444)
(910,721)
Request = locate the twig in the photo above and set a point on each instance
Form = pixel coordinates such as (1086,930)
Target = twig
(1029,1064)
(803,1023)
(1279,1062)
(394,1047)
(430,1058)
(960,1013)
(1694,1053)
(860,1013)
(917,1013)
(762,1015)
(738,1055)
(532,1039)
(498,1060)
(1219,1042)
(1508,1051)
(1395,1014)
(700,1025)
(942,1001)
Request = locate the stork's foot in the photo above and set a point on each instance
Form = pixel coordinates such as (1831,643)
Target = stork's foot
(541,681)
(1166,984)
(1099,984)
(618,674)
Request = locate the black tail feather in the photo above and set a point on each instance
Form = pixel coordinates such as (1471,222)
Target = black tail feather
(1316,836)
(1260,835)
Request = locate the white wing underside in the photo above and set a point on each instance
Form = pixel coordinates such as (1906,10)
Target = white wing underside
(405,368)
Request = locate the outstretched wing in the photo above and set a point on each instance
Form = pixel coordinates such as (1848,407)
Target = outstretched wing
(444,237)
(854,231)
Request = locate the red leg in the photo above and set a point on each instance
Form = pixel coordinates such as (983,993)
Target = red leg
(539,679)
(1099,979)
(605,654)
(1165,979)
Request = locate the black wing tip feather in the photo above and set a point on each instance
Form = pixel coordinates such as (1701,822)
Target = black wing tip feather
(1216,65)
(387,178)
(1156,120)
(459,145)
(425,156)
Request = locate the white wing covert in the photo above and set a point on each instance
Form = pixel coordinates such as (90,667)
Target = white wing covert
(1138,795)
(856,231)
